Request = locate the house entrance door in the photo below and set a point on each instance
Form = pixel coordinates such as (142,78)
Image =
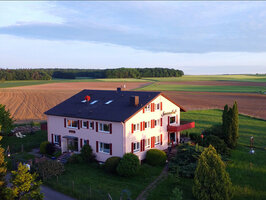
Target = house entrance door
(172,137)
(72,144)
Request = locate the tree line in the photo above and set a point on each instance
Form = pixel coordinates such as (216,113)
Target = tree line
(48,74)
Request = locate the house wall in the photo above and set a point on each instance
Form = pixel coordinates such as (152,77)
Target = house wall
(56,126)
(167,107)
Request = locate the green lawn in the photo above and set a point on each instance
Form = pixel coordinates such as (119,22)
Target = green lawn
(248,172)
(29,142)
(93,178)
(204,88)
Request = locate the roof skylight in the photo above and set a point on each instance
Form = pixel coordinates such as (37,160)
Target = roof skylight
(95,101)
(108,102)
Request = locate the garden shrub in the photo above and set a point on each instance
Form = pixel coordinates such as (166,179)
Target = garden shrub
(111,164)
(177,194)
(75,158)
(217,143)
(129,165)
(195,137)
(155,157)
(49,168)
(50,149)
(43,147)
(86,153)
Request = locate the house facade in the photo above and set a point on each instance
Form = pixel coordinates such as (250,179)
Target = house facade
(116,122)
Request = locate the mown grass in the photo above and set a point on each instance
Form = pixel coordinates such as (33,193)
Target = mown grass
(247,172)
(29,142)
(204,88)
(92,182)
(249,78)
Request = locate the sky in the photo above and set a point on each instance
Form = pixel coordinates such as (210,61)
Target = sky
(197,37)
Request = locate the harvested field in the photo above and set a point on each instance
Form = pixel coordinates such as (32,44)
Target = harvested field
(249,104)
(222,83)
(30,102)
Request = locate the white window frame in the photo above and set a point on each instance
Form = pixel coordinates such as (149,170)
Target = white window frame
(157,140)
(136,147)
(138,127)
(56,139)
(90,123)
(170,120)
(83,124)
(149,124)
(102,148)
(72,123)
(101,127)
(147,143)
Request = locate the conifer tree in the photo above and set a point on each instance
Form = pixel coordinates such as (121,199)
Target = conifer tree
(234,125)
(225,122)
(6,121)
(24,185)
(211,181)
(2,171)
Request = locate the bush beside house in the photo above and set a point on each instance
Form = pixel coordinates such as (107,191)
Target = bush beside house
(129,165)
(111,164)
(43,147)
(156,157)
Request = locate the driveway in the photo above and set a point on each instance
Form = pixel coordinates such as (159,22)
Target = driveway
(50,194)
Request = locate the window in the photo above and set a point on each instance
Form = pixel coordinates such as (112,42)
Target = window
(157,140)
(134,127)
(147,143)
(84,124)
(72,123)
(172,120)
(57,139)
(146,124)
(148,108)
(95,101)
(91,124)
(108,102)
(104,127)
(157,122)
(105,148)
(157,106)
(137,127)
(136,147)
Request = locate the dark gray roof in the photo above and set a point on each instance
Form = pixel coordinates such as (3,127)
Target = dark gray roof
(118,110)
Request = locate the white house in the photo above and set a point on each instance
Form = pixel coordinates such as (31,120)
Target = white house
(116,122)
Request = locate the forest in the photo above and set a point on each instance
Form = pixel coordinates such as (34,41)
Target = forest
(48,74)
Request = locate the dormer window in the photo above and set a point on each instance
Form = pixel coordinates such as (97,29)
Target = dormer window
(95,101)
(108,102)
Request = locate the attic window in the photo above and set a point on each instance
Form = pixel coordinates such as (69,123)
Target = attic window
(95,101)
(108,102)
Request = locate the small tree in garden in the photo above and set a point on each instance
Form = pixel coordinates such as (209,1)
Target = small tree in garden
(50,148)
(24,185)
(2,170)
(211,181)
(6,121)
(129,165)
(87,153)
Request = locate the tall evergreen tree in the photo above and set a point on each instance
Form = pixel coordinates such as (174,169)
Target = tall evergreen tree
(211,181)
(6,121)
(234,125)
(2,171)
(225,122)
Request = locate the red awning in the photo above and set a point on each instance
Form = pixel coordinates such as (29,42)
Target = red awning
(184,125)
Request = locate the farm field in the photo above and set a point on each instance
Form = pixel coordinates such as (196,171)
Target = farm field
(247,171)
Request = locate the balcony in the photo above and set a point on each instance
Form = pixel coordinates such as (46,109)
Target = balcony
(184,125)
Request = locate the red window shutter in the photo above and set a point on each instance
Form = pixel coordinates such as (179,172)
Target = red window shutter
(78,124)
(60,140)
(152,107)
(168,120)
(154,123)
(111,149)
(64,122)
(87,124)
(168,138)
(161,138)
(143,126)
(143,110)
(97,150)
(52,138)
(96,126)
(132,128)
(152,143)
(161,105)
(143,145)
(161,121)
(132,147)
(110,129)
(140,126)
(81,144)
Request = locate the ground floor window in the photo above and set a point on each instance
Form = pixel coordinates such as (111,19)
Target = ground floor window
(57,139)
(147,143)
(157,140)
(104,147)
(136,146)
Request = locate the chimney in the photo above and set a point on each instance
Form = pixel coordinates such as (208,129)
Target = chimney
(118,89)
(134,100)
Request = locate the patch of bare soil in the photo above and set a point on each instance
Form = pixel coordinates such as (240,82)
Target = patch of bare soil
(249,104)
(221,83)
